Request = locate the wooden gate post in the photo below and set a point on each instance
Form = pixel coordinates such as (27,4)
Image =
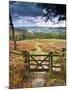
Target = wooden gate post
(26,59)
(64,63)
(50,61)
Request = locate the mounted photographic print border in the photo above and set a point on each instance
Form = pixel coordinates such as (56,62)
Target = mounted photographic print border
(37,44)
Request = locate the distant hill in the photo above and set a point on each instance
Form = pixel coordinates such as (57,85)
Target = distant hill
(43,29)
(38,32)
(20,31)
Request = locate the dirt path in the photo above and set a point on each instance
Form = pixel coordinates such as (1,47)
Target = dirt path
(39,49)
(38,77)
(39,80)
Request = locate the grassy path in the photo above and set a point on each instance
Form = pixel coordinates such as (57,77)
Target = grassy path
(39,49)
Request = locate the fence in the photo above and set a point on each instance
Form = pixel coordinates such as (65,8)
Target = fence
(40,62)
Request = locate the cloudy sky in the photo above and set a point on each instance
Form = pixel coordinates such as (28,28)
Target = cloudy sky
(29,14)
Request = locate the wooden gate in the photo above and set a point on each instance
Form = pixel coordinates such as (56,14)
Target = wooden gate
(38,62)
(41,62)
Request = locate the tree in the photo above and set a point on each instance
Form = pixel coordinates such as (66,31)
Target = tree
(53,10)
(12,27)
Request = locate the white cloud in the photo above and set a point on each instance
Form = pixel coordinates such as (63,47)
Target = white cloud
(23,21)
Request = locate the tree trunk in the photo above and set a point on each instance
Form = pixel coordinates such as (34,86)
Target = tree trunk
(12,27)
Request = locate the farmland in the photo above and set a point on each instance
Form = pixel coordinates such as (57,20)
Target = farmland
(39,42)
(39,45)
(18,76)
